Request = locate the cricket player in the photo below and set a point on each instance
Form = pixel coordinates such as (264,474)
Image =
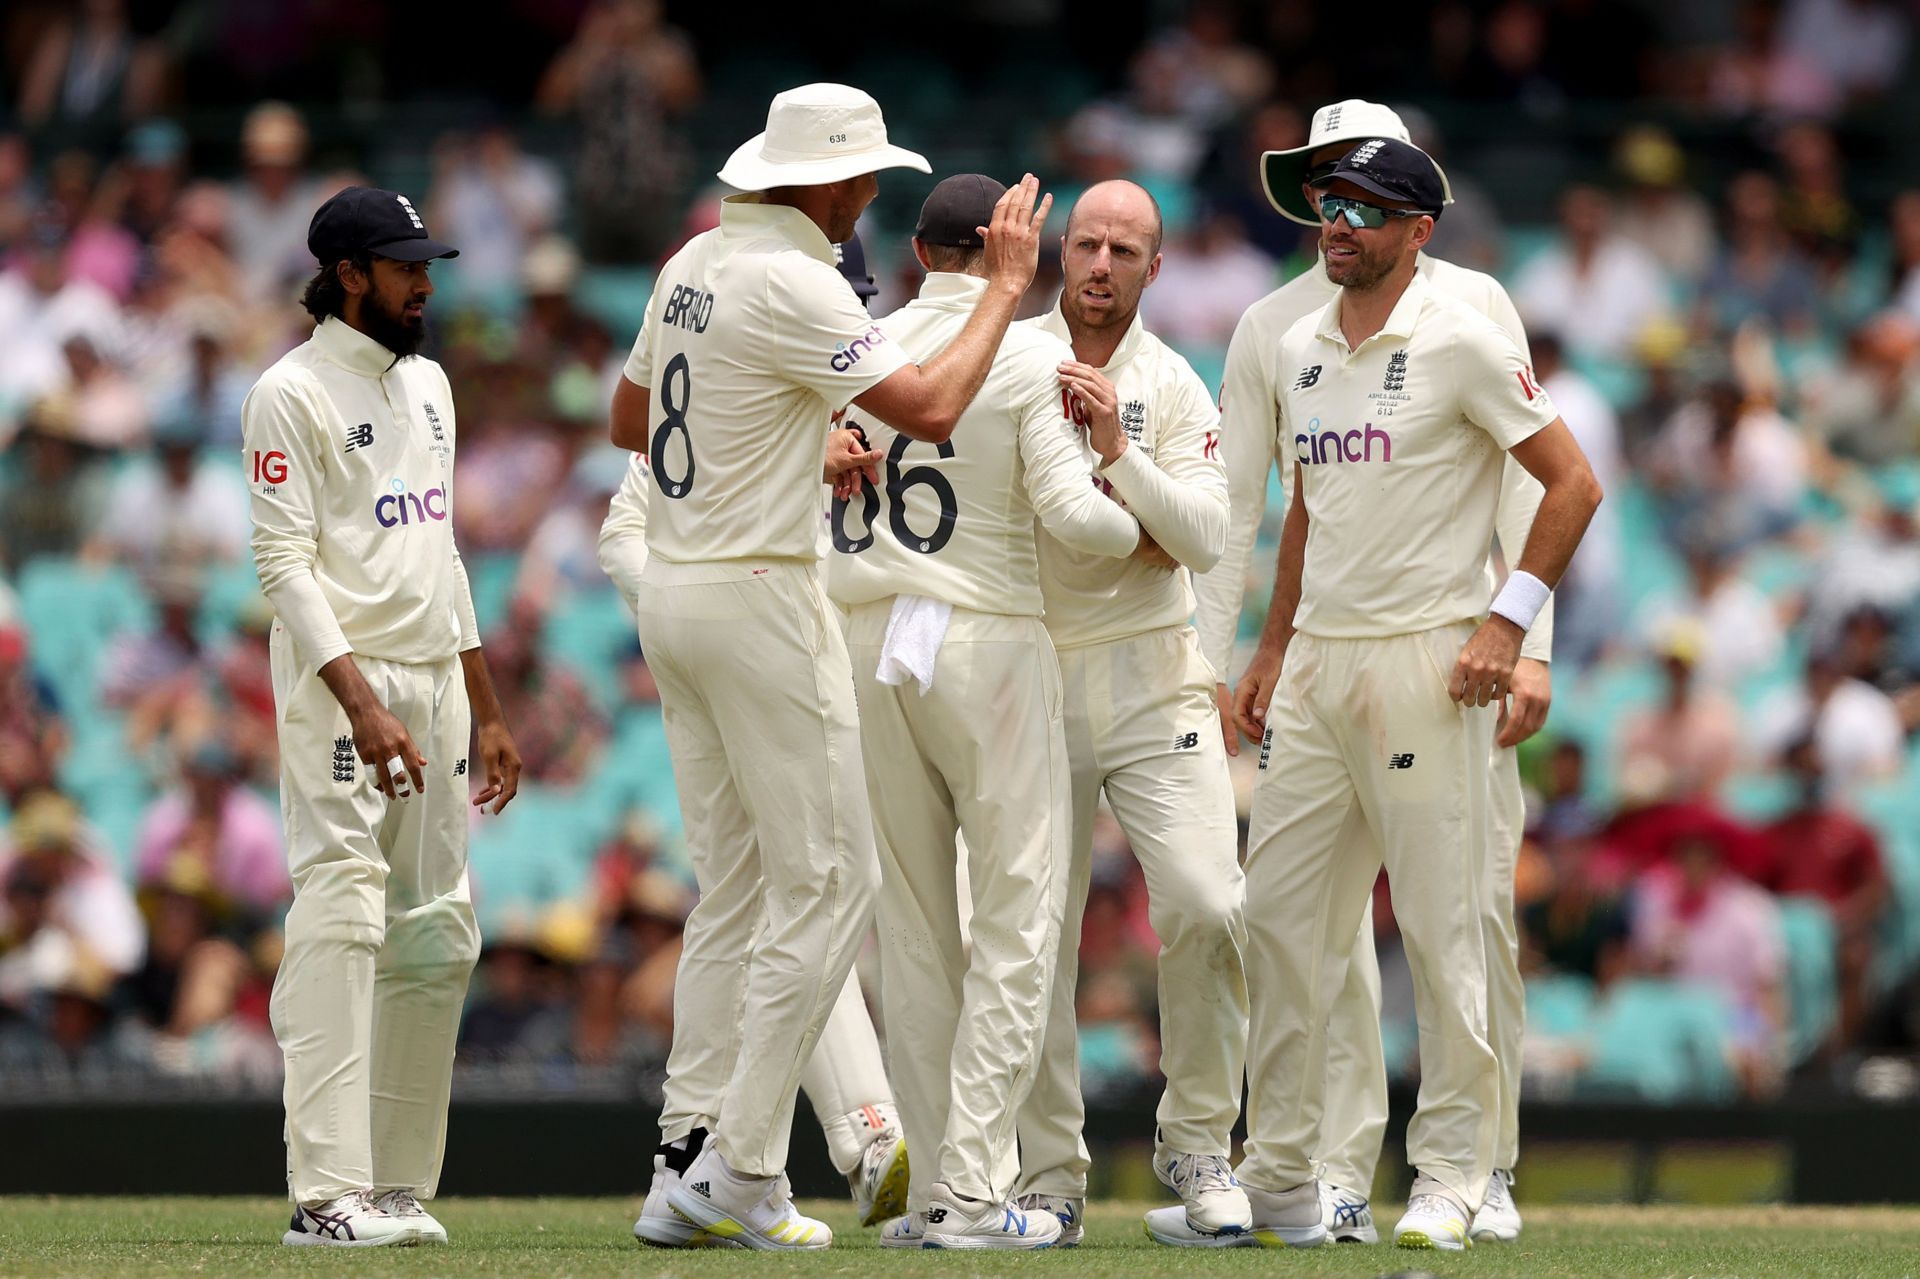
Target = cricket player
(377,671)
(845,1079)
(960,722)
(751,344)
(1355,1118)
(1140,729)
(1370,688)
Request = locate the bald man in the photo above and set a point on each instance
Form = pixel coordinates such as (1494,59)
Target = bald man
(1139,722)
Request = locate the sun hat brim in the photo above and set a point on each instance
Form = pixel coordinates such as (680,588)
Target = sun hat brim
(747,169)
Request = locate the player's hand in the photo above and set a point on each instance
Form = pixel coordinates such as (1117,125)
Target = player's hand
(1223,698)
(1484,672)
(850,461)
(1013,239)
(1099,405)
(1254,694)
(501,759)
(379,738)
(1532,695)
(1151,553)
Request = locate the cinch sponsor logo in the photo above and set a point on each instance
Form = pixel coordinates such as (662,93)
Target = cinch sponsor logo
(847,354)
(401,507)
(1318,447)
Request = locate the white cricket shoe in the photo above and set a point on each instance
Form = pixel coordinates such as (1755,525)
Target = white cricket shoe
(1289,1219)
(748,1212)
(1174,1228)
(402,1206)
(1347,1215)
(953,1222)
(1214,1202)
(351,1221)
(1070,1213)
(1433,1221)
(880,1182)
(905,1231)
(659,1225)
(1498,1220)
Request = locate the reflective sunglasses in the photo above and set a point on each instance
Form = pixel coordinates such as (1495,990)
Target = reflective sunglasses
(1360,214)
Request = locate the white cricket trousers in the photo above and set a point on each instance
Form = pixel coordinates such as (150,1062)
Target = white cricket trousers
(1366,726)
(980,753)
(381,937)
(757,697)
(1143,727)
(1355,1120)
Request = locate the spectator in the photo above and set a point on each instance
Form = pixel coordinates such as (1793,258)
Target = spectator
(230,835)
(1579,924)
(90,72)
(1685,747)
(1659,212)
(19,193)
(1759,274)
(209,390)
(1565,811)
(87,909)
(155,675)
(1874,562)
(515,994)
(109,412)
(1903,219)
(1208,279)
(555,724)
(1859,47)
(1868,411)
(33,738)
(1855,728)
(181,512)
(269,208)
(1471,234)
(1814,206)
(1761,74)
(1595,287)
(1731,469)
(99,250)
(42,305)
(49,496)
(562,558)
(1738,628)
(155,161)
(1587,601)
(494,201)
(76,1035)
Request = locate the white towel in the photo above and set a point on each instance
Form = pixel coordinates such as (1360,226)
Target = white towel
(915,630)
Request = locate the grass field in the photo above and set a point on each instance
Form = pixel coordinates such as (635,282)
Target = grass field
(588,1237)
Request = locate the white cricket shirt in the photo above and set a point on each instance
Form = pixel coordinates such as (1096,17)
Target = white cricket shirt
(752,342)
(1401,444)
(623,534)
(955,521)
(1170,477)
(349,459)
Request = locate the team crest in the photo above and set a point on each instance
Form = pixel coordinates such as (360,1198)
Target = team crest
(1133,419)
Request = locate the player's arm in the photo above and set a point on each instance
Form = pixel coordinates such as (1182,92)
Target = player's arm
(1180,495)
(1513,519)
(1255,692)
(622,547)
(279,430)
(632,394)
(499,759)
(1055,473)
(925,401)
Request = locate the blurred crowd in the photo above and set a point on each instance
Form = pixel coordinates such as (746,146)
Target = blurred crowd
(1720,888)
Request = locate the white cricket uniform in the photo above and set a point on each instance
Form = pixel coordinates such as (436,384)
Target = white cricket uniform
(1400,443)
(751,342)
(1141,729)
(1355,1119)
(845,1079)
(979,752)
(349,456)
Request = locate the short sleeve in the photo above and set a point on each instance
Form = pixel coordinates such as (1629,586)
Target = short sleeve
(823,339)
(1498,392)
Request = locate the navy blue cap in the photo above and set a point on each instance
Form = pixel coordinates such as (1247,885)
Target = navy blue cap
(956,209)
(1392,170)
(853,265)
(370,220)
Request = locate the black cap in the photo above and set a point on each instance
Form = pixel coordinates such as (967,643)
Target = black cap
(369,220)
(853,265)
(955,210)
(1391,170)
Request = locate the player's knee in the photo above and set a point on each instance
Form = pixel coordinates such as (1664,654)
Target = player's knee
(440,939)
(1204,909)
(340,901)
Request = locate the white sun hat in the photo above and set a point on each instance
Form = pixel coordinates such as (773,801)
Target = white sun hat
(1282,173)
(816,134)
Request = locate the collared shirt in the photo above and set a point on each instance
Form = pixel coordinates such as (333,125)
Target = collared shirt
(752,342)
(349,458)
(1249,411)
(1400,446)
(1170,477)
(955,521)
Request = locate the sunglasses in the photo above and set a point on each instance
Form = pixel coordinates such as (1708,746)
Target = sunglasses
(1360,214)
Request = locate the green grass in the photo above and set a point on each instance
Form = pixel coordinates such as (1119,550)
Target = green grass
(588,1237)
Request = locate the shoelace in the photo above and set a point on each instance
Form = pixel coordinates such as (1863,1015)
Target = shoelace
(400,1203)
(1432,1205)
(1205,1172)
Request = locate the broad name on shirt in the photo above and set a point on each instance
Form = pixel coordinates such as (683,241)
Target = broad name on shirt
(688,308)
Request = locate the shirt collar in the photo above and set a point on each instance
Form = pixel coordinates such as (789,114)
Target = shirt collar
(745,217)
(1055,322)
(351,349)
(951,289)
(1399,323)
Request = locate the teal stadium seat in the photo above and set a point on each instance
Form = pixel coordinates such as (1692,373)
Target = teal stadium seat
(73,612)
(538,852)
(1813,979)
(1661,1042)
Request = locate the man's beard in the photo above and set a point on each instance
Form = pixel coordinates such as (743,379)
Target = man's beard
(391,330)
(1363,271)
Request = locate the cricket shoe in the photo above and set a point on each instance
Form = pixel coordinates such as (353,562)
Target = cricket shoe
(748,1212)
(1433,1221)
(953,1222)
(908,1230)
(1214,1202)
(402,1206)
(1498,1220)
(351,1221)
(1174,1228)
(1070,1213)
(880,1182)
(1288,1219)
(1347,1215)
(659,1225)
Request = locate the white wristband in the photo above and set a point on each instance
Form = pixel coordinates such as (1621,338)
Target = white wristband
(1521,599)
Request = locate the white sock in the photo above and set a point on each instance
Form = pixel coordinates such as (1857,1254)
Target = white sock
(849,1135)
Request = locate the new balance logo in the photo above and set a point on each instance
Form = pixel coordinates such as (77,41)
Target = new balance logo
(1186,742)
(1400,761)
(359,437)
(343,758)
(460,768)
(703,1189)
(936,1215)
(1308,376)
